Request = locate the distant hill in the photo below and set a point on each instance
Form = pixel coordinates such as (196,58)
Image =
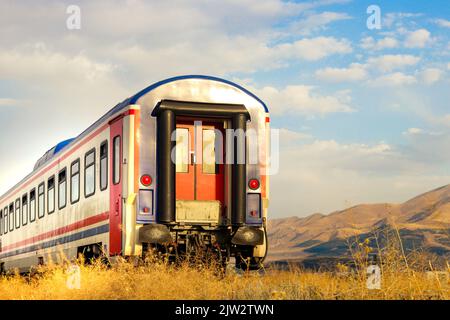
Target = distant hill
(423,222)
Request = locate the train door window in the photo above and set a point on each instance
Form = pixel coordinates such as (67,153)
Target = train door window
(62,189)
(32,205)
(1,222)
(182,150)
(89,173)
(116,160)
(24,209)
(11,217)
(51,195)
(17,218)
(5,220)
(104,165)
(210,143)
(75,182)
(41,200)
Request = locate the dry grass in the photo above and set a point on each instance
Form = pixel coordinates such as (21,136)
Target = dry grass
(416,275)
(162,281)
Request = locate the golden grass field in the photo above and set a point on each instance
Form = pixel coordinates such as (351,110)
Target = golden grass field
(404,276)
(158,280)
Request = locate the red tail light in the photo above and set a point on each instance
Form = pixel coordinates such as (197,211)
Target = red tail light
(253,184)
(146,180)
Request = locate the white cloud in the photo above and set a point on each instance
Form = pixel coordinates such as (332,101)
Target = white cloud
(103,21)
(202,37)
(390,62)
(8,102)
(443,120)
(289,136)
(355,72)
(67,87)
(383,65)
(413,131)
(396,18)
(316,22)
(219,56)
(418,39)
(31,62)
(442,23)
(429,147)
(344,152)
(313,49)
(393,80)
(369,43)
(224,55)
(303,100)
(430,75)
(387,42)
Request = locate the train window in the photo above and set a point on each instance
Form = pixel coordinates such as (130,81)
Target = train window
(24,209)
(17,214)
(116,159)
(41,200)
(182,150)
(75,182)
(104,165)
(11,217)
(1,222)
(210,144)
(51,195)
(62,189)
(5,220)
(89,173)
(32,205)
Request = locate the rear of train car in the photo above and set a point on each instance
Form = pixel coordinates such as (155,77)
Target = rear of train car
(181,166)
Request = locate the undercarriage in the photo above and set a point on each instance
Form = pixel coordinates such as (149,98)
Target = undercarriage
(203,243)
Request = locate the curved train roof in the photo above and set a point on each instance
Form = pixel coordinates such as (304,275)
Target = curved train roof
(136,97)
(50,154)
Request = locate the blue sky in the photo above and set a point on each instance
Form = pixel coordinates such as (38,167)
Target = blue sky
(364,114)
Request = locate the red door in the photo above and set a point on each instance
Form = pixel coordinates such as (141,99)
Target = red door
(115,214)
(199,158)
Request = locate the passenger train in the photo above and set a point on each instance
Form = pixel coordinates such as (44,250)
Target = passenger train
(168,168)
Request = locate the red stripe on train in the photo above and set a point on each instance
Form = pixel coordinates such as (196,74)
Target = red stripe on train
(50,234)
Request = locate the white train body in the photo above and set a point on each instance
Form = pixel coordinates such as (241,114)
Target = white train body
(130,195)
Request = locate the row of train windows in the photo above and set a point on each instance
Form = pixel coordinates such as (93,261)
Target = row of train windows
(24,210)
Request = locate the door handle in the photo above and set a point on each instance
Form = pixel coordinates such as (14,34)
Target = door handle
(117,206)
(193,160)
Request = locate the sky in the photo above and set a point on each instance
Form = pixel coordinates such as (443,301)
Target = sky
(363,113)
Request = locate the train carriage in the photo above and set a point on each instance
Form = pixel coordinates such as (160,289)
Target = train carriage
(181,164)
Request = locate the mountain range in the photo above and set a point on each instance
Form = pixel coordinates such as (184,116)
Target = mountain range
(422,222)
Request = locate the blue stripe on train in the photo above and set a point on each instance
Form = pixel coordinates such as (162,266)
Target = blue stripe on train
(52,243)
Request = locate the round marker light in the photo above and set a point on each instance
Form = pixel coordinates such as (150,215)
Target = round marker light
(146,180)
(253,184)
